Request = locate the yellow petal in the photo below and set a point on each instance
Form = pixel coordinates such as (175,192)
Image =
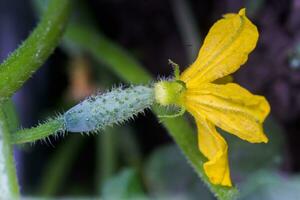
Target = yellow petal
(225,49)
(214,147)
(231,108)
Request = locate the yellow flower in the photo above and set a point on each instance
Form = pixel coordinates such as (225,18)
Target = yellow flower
(227,106)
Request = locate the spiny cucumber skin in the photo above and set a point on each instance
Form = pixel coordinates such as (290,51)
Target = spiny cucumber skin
(100,111)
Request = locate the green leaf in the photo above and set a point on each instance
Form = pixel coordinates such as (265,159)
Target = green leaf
(59,165)
(247,158)
(271,185)
(125,185)
(128,146)
(165,181)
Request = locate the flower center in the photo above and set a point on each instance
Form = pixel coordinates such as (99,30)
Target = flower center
(169,92)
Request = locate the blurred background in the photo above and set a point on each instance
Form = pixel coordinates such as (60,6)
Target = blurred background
(137,160)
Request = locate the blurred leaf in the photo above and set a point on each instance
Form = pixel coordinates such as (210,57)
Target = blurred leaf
(59,165)
(254,6)
(167,175)
(129,147)
(125,185)
(106,156)
(247,158)
(271,185)
(106,52)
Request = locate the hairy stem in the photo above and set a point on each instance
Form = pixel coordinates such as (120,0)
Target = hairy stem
(24,61)
(9,188)
(39,132)
(93,114)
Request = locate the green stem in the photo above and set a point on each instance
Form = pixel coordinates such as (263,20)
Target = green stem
(107,155)
(39,132)
(11,115)
(59,165)
(94,114)
(9,188)
(120,61)
(24,61)
(187,27)
(129,70)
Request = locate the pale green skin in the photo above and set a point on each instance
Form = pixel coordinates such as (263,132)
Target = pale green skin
(100,111)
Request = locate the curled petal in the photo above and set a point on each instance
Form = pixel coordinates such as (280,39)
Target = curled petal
(214,147)
(225,49)
(231,108)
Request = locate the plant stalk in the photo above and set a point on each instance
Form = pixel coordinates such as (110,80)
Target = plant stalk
(9,188)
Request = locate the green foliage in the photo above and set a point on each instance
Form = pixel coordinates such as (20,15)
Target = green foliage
(246,158)
(106,156)
(271,185)
(125,185)
(54,175)
(174,182)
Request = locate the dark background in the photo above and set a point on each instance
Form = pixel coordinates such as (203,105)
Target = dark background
(151,31)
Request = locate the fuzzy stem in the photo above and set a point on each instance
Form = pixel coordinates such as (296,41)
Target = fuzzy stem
(24,61)
(39,132)
(9,188)
(93,114)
